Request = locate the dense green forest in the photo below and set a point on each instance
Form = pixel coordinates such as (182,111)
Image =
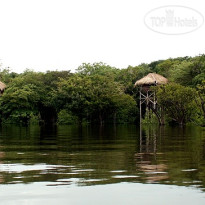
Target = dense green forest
(99,93)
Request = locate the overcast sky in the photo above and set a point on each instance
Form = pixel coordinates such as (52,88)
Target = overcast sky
(62,34)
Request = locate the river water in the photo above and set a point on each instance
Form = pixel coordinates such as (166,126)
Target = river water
(102,165)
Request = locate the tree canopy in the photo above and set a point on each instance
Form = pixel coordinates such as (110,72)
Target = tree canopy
(100,93)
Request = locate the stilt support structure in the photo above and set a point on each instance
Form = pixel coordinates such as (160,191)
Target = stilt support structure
(148,97)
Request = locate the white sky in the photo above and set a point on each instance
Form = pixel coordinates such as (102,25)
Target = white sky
(62,34)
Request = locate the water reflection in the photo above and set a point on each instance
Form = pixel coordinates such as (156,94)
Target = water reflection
(147,159)
(171,155)
(71,155)
(154,172)
(1,157)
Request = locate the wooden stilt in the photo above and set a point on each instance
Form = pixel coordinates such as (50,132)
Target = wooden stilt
(140,138)
(148,96)
(140,107)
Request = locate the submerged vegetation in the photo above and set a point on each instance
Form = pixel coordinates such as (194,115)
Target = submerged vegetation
(99,93)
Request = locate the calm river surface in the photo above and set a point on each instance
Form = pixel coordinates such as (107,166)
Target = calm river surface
(102,165)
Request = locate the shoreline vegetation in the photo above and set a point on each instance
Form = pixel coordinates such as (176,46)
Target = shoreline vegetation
(99,93)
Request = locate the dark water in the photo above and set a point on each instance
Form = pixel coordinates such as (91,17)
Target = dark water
(102,165)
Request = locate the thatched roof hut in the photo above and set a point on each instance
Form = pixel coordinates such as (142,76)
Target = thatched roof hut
(151,79)
(2,87)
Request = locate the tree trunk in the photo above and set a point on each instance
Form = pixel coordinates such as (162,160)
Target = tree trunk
(48,115)
(100,119)
(162,116)
(160,119)
(114,118)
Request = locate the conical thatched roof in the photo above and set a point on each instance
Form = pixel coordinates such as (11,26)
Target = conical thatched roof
(152,79)
(2,86)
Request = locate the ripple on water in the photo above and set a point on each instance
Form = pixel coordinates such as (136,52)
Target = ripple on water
(188,170)
(18,168)
(124,176)
(118,171)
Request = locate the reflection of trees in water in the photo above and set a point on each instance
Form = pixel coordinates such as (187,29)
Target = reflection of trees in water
(153,171)
(1,157)
(147,157)
(172,155)
(107,154)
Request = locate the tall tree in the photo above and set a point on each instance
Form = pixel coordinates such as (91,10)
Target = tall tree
(178,102)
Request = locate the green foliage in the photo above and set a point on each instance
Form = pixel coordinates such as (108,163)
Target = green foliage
(66,118)
(93,98)
(178,102)
(97,69)
(200,101)
(150,118)
(19,100)
(101,93)
(164,67)
(6,76)
(128,77)
(28,95)
(183,73)
(188,72)
(198,69)
(73,94)
(125,109)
